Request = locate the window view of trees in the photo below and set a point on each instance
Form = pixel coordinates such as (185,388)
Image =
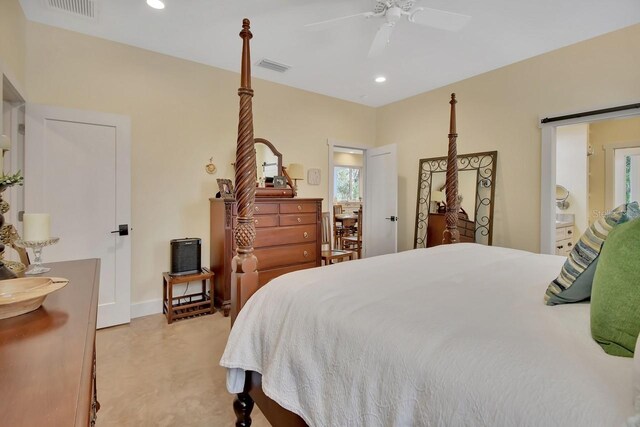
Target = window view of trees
(346,181)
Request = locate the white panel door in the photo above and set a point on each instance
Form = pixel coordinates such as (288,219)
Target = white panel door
(380,233)
(77,168)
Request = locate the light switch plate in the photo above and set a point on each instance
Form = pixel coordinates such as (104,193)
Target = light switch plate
(313,176)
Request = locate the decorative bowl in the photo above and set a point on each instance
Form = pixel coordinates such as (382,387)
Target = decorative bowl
(20,296)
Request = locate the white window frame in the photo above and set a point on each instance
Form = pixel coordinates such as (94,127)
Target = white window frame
(359,168)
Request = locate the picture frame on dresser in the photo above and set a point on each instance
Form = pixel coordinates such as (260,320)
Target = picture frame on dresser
(288,238)
(279,182)
(226,188)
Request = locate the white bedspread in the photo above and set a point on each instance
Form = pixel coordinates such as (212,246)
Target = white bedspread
(455,335)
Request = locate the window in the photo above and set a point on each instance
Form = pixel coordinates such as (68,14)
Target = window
(632,178)
(346,183)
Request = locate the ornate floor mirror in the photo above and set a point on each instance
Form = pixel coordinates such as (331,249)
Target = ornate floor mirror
(476,177)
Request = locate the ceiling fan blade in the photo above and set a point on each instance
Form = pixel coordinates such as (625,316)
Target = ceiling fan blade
(440,19)
(330,21)
(381,39)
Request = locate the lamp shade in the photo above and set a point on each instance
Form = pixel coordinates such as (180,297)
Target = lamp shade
(5,142)
(296,171)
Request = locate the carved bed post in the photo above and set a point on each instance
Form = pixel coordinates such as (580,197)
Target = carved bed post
(244,274)
(451,234)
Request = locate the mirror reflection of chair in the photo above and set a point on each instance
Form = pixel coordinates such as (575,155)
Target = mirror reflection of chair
(328,254)
(354,242)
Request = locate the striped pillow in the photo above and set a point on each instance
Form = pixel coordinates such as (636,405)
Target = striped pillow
(575,279)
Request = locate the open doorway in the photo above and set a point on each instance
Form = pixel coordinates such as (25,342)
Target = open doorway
(348,182)
(12,161)
(365,180)
(346,193)
(589,167)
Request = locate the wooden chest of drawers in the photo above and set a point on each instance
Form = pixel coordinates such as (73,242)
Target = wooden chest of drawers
(288,238)
(48,368)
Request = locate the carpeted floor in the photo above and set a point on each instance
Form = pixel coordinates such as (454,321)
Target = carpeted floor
(154,374)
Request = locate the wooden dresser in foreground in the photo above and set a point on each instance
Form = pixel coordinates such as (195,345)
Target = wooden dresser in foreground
(47,357)
(288,238)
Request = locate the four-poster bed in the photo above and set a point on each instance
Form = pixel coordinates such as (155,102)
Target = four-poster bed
(336,346)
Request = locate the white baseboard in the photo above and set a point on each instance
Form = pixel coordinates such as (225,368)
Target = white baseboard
(146,308)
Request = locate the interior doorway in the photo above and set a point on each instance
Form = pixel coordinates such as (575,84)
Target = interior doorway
(590,165)
(365,178)
(12,128)
(78,169)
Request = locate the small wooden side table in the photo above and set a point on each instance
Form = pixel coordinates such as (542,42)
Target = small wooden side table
(197,303)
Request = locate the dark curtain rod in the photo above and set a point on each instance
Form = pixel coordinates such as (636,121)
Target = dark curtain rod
(590,113)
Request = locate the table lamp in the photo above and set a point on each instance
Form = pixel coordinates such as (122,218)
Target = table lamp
(296,172)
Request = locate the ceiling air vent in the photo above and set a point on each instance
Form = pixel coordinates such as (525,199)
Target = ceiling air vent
(86,8)
(274,66)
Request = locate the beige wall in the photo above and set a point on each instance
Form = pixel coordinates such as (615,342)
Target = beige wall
(500,111)
(12,41)
(602,134)
(182,113)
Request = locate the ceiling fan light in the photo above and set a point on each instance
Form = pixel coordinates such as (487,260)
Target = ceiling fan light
(156,4)
(380,79)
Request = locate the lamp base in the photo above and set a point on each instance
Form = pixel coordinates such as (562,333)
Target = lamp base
(36,269)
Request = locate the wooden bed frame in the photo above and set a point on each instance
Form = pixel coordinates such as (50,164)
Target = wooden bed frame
(244,275)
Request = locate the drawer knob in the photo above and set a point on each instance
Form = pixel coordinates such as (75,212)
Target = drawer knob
(255,221)
(257,208)
(299,220)
(569,231)
(305,234)
(299,207)
(306,254)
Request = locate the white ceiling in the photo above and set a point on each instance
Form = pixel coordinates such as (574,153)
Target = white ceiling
(334,61)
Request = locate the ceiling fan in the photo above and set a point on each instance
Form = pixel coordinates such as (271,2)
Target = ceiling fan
(393,10)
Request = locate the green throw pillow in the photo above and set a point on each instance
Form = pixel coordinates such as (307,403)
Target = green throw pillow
(615,297)
(575,279)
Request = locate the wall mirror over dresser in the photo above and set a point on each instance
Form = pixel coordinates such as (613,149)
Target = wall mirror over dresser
(288,228)
(268,160)
(272,179)
(476,192)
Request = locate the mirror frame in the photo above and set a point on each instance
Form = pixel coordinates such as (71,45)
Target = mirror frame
(484,164)
(273,150)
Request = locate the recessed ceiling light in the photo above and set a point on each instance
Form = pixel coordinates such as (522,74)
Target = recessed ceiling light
(156,4)
(381,79)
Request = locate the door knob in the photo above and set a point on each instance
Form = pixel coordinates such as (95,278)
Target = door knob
(123,230)
(392,218)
